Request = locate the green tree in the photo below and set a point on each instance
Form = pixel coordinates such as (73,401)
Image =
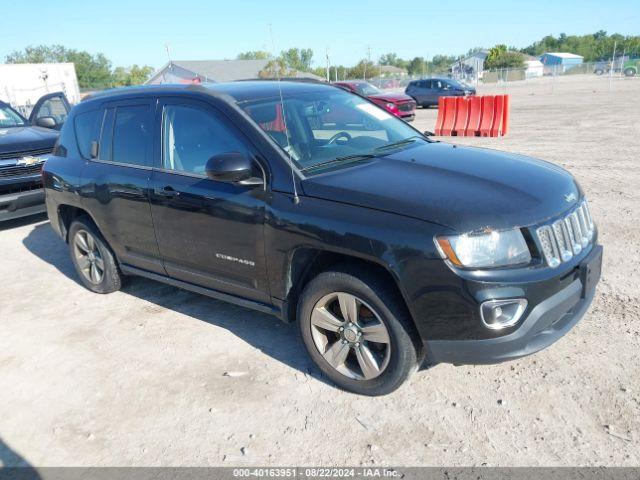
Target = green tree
(134,75)
(417,66)
(298,58)
(276,68)
(363,69)
(441,63)
(501,57)
(592,47)
(254,55)
(389,59)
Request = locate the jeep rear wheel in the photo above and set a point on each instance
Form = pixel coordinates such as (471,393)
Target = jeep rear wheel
(630,72)
(92,258)
(357,331)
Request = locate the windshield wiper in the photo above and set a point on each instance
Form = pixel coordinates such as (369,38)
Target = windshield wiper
(353,158)
(400,143)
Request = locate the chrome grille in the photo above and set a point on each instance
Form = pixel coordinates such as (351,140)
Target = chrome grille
(567,236)
(25,153)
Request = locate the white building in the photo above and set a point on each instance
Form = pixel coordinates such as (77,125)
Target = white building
(533,68)
(22,84)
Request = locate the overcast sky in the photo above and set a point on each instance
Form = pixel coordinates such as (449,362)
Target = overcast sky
(136,31)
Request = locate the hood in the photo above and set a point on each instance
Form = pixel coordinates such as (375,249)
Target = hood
(20,139)
(463,188)
(391,97)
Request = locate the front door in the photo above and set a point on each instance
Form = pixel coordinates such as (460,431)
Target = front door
(50,111)
(209,233)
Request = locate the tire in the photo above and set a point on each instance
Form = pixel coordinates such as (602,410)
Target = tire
(389,360)
(630,72)
(92,258)
(599,71)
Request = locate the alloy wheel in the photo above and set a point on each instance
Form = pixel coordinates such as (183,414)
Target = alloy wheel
(88,256)
(350,335)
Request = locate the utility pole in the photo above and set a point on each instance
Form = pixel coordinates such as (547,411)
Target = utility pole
(328,66)
(613,62)
(368,61)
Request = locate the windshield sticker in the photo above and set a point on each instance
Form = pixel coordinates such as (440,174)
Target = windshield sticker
(374,111)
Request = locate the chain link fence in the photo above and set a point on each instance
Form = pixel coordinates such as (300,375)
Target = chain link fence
(604,75)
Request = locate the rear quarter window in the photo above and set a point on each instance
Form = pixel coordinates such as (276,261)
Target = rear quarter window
(86,126)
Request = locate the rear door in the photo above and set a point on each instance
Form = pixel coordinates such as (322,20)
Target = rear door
(54,105)
(116,182)
(209,233)
(423,92)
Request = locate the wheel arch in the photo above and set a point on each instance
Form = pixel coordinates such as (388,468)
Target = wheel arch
(67,214)
(306,263)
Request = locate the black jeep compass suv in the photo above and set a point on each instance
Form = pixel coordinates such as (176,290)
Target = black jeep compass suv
(313,204)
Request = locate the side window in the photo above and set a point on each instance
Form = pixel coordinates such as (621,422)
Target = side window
(425,84)
(53,107)
(191,136)
(131,135)
(106,134)
(85,126)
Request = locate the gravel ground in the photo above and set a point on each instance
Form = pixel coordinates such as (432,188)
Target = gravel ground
(154,375)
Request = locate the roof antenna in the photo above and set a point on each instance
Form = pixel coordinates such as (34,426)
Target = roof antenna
(296,198)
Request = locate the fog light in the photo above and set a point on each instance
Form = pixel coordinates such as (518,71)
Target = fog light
(498,314)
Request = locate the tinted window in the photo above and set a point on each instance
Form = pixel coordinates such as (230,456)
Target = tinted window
(53,107)
(191,136)
(131,135)
(85,124)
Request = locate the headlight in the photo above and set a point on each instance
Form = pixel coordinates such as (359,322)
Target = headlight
(486,250)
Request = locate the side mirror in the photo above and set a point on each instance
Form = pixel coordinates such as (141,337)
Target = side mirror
(231,167)
(46,122)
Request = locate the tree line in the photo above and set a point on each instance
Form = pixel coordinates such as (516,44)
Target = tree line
(93,71)
(593,47)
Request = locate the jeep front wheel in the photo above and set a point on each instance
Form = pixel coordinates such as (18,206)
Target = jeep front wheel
(357,331)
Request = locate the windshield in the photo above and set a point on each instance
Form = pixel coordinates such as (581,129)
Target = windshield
(367,89)
(10,118)
(331,127)
(457,84)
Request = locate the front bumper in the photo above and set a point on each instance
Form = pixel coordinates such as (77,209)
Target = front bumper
(22,204)
(546,323)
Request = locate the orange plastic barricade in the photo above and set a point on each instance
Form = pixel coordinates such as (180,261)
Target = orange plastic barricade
(440,119)
(462,116)
(498,116)
(475,115)
(449,119)
(505,115)
(486,122)
(479,116)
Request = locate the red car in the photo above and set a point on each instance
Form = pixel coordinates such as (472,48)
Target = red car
(399,104)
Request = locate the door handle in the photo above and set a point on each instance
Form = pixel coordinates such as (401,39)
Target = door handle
(167,191)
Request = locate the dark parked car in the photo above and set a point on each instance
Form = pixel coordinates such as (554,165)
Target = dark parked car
(399,104)
(24,146)
(384,246)
(426,92)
